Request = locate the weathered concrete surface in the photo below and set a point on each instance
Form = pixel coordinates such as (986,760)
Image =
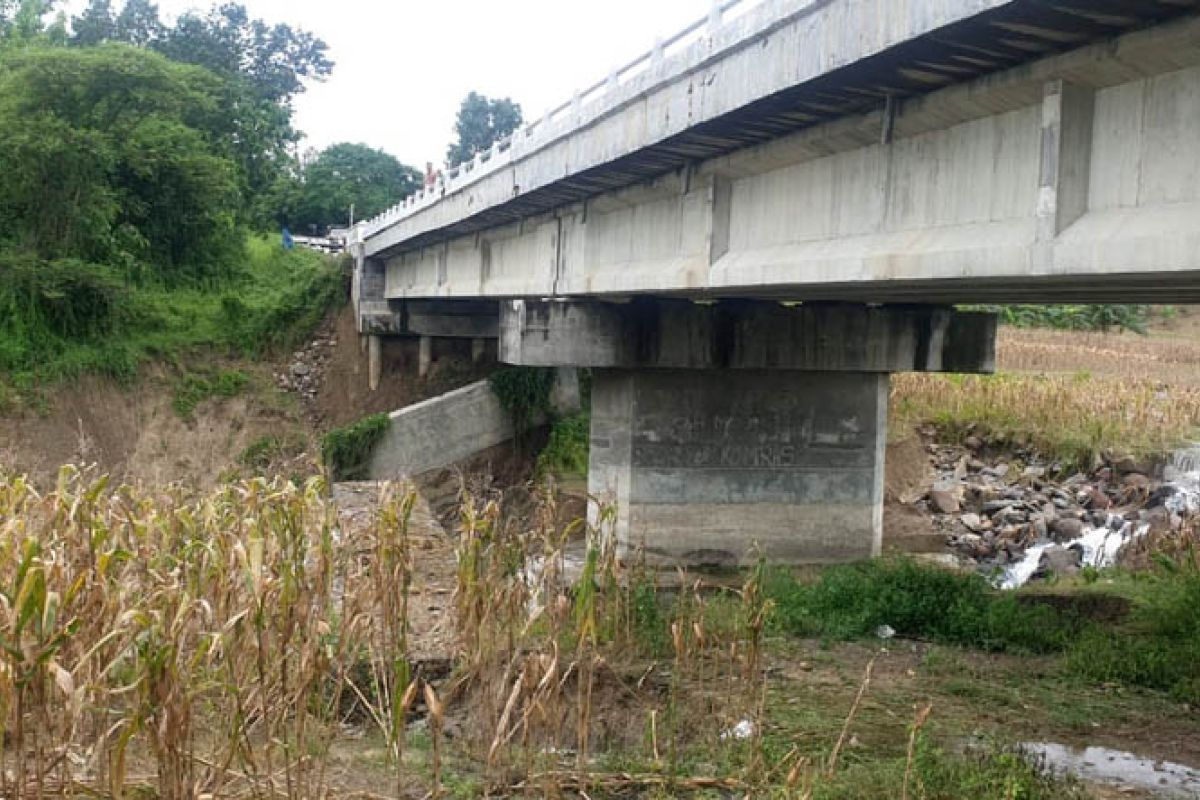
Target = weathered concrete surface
(649,334)
(440,431)
(457,319)
(450,428)
(709,467)
(1075,177)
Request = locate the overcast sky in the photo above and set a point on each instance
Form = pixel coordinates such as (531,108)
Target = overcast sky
(403,66)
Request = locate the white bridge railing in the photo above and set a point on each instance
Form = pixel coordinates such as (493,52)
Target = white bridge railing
(559,120)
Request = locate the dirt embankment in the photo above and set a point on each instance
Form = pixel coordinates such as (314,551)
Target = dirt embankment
(136,434)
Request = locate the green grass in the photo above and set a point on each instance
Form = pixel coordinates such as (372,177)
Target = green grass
(194,388)
(916,601)
(1156,647)
(60,320)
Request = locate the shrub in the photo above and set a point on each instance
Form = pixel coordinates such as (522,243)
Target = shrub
(347,451)
(566,452)
(524,392)
(1095,317)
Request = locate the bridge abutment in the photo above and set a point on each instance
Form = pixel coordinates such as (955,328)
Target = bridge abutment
(722,432)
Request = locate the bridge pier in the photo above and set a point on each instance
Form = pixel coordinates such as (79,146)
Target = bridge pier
(722,432)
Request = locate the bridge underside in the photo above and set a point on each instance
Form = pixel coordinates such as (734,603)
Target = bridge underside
(741,314)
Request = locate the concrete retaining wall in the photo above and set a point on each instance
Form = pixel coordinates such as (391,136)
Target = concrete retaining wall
(455,426)
(440,432)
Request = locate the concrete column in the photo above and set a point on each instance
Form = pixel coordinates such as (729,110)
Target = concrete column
(566,396)
(716,467)
(478,350)
(424,356)
(374,361)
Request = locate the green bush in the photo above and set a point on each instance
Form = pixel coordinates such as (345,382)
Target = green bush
(566,451)
(347,451)
(59,319)
(524,392)
(916,601)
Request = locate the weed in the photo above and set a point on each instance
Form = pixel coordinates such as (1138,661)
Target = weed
(918,601)
(260,454)
(524,392)
(347,451)
(194,388)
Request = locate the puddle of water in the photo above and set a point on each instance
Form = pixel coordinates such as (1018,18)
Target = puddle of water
(1117,768)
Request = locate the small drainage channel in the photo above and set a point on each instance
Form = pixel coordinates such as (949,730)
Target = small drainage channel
(1116,768)
(1100,546)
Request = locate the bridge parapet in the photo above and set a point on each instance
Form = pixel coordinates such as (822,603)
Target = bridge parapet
(667,59)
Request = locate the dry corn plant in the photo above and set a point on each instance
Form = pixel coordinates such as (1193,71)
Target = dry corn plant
(191,643)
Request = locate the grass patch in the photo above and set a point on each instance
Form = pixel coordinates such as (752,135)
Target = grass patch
(916,601)
(347,451)
(1070,418)
(1157,646)
(59,320)
(940,775)
(260,454)
(193,389)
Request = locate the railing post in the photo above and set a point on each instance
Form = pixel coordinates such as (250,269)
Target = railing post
(656,52)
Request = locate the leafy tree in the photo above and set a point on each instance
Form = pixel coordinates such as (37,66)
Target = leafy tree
(139,24)
(106,155)
(265,67)
(95,25)
(273,59)
(480,123)
(340,176)
(24,21)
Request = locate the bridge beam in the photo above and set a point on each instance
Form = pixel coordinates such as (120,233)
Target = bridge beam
(723,432)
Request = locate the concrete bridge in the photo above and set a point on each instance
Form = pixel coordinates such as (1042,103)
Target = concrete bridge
(745,230)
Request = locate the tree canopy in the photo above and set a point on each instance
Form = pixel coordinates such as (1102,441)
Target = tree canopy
(342,176)
(113,155)
(481,123)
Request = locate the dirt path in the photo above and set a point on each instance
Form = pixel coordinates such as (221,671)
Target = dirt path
(431,602)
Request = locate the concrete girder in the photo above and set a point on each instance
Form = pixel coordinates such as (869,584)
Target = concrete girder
(746,335)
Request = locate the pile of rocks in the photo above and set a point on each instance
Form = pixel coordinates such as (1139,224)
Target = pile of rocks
(992,510)
(306,368)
